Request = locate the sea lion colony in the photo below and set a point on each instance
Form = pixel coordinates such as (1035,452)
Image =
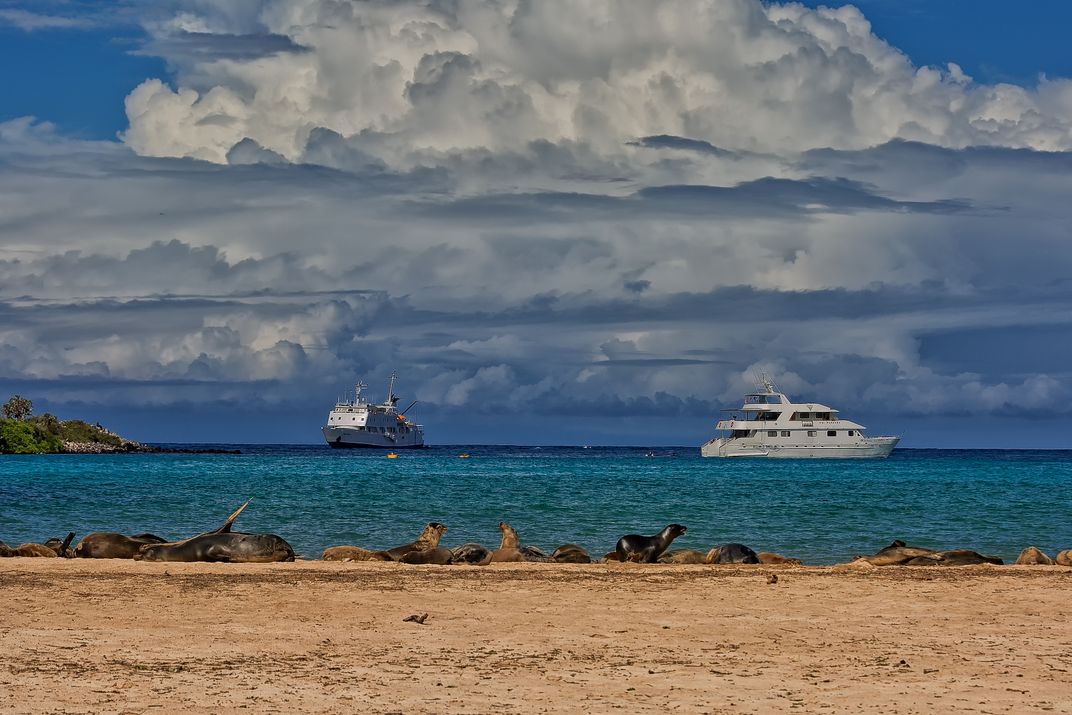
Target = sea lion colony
(224,545)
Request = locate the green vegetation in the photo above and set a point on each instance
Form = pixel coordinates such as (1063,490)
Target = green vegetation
(23,433)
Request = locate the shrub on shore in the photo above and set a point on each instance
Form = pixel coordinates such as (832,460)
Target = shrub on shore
(23,433)
(22,437)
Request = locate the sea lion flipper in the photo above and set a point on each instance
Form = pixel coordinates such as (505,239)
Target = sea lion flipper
(226,528)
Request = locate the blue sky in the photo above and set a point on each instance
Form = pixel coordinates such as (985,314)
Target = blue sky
(560,225)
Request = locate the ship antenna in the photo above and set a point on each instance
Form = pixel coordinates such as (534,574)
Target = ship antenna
(391,399)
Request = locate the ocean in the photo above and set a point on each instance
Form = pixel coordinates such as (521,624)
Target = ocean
(823,511)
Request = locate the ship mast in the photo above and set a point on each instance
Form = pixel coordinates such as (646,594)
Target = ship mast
(391,399)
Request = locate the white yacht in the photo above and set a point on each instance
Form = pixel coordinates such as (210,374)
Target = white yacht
(768,424)
(362,424)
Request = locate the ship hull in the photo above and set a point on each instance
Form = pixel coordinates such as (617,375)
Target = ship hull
(870,448)
(343,438)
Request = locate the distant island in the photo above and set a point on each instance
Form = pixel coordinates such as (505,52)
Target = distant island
(22,432)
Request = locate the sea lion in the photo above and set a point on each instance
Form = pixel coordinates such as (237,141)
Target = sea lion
(6,551)
(898,553)
(440,556)
(111,545)
(222,545)
(533,553)
(611,557)
(647,549)
(36,550)
(509,547)
(470,553)
(766,557)
(429,539)
(957,557)
(230,547)
(731,554)
(1033,556)
(571,554)
(1064,558)
(682,556)
(62,547)
(346,553)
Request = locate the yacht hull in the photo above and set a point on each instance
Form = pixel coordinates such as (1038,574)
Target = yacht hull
(349,438)
(870,448)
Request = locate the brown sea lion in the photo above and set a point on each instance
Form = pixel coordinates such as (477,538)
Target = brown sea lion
(610,557)
(6,551)
(647,549)
(440,556)
(571,554)
(731,554)
(346,553)
(36,550)
(429,539)
(682,556)
(111,545)
(470,553)
(1033,556)
(766,557)
(509,547)
(898,553)
(956,557)
(1064,558)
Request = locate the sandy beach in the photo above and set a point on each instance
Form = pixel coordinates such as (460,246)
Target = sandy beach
(79,636)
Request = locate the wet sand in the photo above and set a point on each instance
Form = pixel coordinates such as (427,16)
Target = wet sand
(115,636)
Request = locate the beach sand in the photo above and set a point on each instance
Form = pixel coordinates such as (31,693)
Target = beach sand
(82,636)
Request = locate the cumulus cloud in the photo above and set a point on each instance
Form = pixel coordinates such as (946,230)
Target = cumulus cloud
(596,218)
(408,79)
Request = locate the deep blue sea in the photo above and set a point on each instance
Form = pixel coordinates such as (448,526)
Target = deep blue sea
(823,511)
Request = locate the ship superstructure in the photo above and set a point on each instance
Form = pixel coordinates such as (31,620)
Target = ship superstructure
(359,423)
(768,424)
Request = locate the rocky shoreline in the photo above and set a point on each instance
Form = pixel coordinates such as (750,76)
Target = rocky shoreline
(131,447)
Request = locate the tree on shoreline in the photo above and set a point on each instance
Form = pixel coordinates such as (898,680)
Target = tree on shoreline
(18,408)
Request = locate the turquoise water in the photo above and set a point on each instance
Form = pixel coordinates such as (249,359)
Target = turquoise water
(822,511)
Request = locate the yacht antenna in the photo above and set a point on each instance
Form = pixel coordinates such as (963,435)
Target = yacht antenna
(357,392)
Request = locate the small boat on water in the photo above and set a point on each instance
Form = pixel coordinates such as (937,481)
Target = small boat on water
(378,426)
(768,424)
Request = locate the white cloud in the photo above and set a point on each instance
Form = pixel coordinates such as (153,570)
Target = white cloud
(413,78)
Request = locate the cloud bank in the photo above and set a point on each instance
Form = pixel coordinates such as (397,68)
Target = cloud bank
(559,222)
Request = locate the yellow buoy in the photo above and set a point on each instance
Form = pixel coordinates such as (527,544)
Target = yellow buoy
(392,455)
(464,455)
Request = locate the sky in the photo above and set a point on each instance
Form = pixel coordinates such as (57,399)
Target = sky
(559,222)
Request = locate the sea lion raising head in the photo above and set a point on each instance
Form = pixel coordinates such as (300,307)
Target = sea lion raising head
(647,549)
(429,539)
